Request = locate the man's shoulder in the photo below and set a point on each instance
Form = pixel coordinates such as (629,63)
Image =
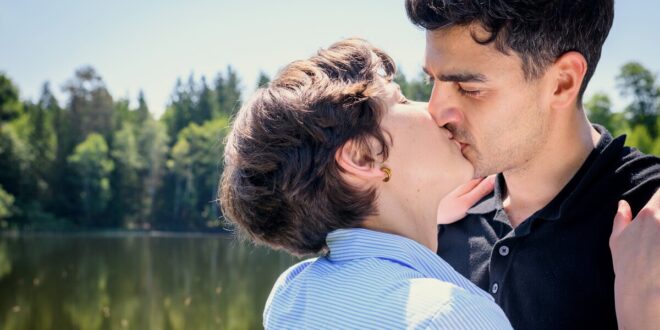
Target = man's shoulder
(639,176)
(639,166)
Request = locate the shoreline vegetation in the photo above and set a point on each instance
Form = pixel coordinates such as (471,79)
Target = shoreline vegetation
(93,163)
(115,233)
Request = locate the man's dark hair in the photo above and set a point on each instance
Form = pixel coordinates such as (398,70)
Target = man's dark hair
(539,31)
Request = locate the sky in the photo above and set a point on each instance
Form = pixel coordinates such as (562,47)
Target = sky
(146,45)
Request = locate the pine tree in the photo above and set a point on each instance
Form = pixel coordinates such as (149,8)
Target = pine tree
(142,113)
(263,80)
(228,92)
(206,104)
(10,105)
(90,105)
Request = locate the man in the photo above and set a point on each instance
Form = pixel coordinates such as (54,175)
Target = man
(508,80)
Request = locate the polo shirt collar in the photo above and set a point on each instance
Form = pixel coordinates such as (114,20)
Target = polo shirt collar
(359,243)
(606,149)
(492,201)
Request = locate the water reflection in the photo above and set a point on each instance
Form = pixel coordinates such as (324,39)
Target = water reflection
(134,282)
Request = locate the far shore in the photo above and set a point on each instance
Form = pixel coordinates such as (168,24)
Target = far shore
(110,233)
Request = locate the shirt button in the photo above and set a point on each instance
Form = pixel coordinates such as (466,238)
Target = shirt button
(504,250)
(494,288)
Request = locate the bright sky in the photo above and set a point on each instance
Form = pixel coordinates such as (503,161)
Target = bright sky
(149,44)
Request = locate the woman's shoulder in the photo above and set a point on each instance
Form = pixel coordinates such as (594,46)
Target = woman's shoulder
(434,303)
(294,271)
(289,275)
(401,299)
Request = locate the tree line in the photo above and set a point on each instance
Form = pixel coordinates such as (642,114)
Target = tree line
(96,162)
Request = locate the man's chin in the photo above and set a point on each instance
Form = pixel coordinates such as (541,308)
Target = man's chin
(482,172)
(475,166)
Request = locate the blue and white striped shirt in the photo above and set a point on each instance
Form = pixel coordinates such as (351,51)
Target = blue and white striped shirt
(375,280)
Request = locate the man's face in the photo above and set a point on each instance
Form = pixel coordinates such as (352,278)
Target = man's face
(481,96)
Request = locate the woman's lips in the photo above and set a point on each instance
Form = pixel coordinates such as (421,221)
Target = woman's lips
(463,146)
(459,145)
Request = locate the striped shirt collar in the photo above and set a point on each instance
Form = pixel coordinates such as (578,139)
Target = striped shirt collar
(358,243)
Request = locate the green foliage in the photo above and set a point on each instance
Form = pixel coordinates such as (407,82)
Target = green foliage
(417,89)
(10,105)
(196,164)
(599,110)
(206,105)
(638,83)
(142,113)
(92,166)
(126,183)
(641,139)
(6,204)
(152,142)
(263,80)
(14,161)
(192,103)
(656,147)
(99,162)
(228,92)
(90,104)
(656,143)
(640,119)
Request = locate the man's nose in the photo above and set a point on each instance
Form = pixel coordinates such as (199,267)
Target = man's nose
(443,106)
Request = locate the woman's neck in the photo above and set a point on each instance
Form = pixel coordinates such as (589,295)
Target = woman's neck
(405,218)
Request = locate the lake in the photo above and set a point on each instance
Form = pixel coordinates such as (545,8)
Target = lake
(134,281)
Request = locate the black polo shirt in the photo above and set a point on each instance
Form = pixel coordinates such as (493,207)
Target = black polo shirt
(554,271)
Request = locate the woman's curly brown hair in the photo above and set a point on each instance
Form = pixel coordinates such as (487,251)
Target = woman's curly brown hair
(281,184)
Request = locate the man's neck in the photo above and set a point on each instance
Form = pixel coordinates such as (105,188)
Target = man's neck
(533,185)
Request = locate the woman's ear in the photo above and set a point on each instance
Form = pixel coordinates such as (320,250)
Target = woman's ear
(355,161)
(570,70)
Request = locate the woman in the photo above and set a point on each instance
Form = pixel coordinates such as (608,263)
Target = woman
(330,158)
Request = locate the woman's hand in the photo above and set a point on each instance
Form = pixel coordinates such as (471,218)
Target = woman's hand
(636,260)
(454,206)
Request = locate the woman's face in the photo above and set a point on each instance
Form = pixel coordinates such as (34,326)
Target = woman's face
(425,163)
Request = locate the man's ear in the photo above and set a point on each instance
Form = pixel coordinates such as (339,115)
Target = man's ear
(355,161)
(569,70)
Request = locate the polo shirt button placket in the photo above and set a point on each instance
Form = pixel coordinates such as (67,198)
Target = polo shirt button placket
(504,250)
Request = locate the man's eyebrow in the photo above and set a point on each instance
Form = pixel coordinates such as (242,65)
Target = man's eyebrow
(459,77)
(463,77)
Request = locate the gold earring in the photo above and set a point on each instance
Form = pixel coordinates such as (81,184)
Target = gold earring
(388,172)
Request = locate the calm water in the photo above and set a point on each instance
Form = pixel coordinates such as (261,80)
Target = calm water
(134,282)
